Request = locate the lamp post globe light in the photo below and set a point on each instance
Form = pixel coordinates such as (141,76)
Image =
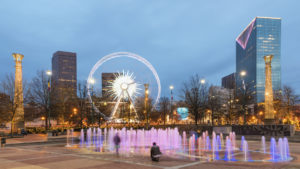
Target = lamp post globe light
(243,73)
(171,102)
(202,81)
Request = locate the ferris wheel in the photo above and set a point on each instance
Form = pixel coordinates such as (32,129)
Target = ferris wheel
(124,87)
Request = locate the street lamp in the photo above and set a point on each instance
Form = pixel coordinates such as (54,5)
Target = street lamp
(202,81)
(171,107)
(92,82)
(243,73)
(49,74)
(75,111)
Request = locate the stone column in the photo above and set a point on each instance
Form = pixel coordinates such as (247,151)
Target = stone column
(146,104)
(269,108)
(18,121)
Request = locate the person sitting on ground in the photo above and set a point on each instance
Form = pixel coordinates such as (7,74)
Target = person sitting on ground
(155,152)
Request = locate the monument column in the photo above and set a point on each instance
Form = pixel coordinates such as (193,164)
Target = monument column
(269,109)
(146,104)
(18,120)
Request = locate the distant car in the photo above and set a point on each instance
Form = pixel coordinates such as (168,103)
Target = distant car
(23,132)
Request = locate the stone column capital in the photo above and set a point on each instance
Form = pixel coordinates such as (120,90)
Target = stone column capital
(18,57)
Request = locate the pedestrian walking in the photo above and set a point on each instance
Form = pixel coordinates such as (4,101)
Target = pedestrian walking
(117,141)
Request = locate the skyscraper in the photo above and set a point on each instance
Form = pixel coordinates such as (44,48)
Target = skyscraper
(260,38)
(64,73)
(228,81)
(107,79)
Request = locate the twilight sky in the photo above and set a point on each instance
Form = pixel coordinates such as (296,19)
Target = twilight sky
(180,38)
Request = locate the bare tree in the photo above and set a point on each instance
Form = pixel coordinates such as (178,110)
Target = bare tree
(4,108)
(40,94)
(245,98)
(82,100)
(164,105)
(214,102)
(195,95)
(290,99)
(8,88)
(231,107)
(140,107)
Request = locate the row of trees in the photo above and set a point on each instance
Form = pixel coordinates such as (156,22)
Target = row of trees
(42,103)
(235,104)
(200,98)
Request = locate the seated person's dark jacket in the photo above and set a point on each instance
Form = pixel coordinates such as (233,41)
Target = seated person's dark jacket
(155,151)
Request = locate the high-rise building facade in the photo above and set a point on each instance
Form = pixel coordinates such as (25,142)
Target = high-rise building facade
(260,38)
(228,81)
(107,79)
(64,73)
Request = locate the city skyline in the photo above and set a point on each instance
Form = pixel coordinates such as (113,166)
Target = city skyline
(169,40)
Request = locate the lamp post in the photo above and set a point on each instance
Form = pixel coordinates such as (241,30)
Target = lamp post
(74,114)
(243,73)
(92,82)
(49,74)
(202,82)
(171,100)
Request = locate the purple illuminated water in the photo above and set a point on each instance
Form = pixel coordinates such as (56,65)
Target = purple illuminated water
(215,148)
(81,138)
(229,152)
(219,142)
(242,143)
(273,149)
(172,143)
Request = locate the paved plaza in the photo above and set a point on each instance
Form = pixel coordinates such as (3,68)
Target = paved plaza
(52,155)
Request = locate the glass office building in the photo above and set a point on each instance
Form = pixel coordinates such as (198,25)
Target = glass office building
(260,38)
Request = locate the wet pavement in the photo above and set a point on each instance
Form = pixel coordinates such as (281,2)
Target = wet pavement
(57,156)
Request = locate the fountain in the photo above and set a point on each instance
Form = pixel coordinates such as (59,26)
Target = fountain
(208,146)
(215,148)
(184,140)
(286,149)
(228,153)
(222,139)
(263,144)
(68,137)
(273,149)
(242,143)
(88,137)
(172,143)
(81,138)
(219,142)
(199,141)
(245,150)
